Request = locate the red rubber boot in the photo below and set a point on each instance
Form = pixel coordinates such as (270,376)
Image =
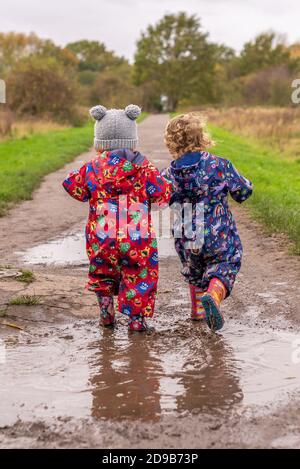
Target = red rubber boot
(211,302)
(198,311)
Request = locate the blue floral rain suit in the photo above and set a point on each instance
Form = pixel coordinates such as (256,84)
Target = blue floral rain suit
(206,179)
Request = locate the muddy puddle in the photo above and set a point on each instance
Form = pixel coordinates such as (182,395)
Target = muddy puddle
(66,249)
(81,371)
(78,370)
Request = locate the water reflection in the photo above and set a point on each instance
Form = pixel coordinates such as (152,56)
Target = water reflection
(142,377)
(210,377)
(114,375)
(125,378)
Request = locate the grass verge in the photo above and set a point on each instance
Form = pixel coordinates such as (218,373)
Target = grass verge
(24,162)
(142,116)
(276,197)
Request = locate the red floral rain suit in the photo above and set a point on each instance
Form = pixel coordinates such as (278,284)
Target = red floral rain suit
(121,244)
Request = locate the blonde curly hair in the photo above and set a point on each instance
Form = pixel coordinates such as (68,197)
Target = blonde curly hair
(186,133)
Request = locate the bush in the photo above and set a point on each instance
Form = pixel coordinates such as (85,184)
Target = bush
(79,117)
(38,86)
(270,86)
(114,88)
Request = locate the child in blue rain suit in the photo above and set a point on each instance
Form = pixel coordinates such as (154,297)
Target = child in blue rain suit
(203,181)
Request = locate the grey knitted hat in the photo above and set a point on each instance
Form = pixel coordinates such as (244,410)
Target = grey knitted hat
(115,128)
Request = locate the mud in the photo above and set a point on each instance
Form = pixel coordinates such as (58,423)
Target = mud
(67,383)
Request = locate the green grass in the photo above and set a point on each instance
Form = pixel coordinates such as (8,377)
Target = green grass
(26,277)
(27,300)
(24,162)
(276,197)
(142,116)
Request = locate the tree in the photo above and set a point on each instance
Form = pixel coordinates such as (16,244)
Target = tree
(93,55)
(114,88)
(267,50)
(63,55)
(14,47)
(17,46)
(294,51)
(270,86)
(39,86)
(176,55)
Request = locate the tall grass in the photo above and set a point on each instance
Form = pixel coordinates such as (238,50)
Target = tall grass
(6,124)
(277,128)
(12,128)
(264,144)
(276,197)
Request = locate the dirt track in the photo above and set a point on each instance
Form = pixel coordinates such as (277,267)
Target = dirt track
(65,383)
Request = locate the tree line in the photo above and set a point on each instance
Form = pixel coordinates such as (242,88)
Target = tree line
(175,65)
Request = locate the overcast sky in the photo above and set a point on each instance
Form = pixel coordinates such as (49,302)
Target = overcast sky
(118,23)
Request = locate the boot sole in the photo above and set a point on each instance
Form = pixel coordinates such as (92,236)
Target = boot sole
(108,326)
(214,318)
(199,318)
(149,330)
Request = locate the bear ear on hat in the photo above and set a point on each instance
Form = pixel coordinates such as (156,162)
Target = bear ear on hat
(98,112)
(132,111)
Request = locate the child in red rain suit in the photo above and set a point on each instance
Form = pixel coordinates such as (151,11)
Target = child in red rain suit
(120,185)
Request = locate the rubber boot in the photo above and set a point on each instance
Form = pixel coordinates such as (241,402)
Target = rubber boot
(107,311)
(198,311)
(211,302)
(138,324)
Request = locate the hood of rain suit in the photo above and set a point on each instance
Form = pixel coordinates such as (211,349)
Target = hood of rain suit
(117,171)
(189,175)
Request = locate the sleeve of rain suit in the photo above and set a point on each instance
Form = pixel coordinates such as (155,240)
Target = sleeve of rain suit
(76,186)
(158,188)
(239,187)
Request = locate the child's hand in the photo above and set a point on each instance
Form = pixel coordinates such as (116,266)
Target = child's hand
(166,173)
(185,270)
